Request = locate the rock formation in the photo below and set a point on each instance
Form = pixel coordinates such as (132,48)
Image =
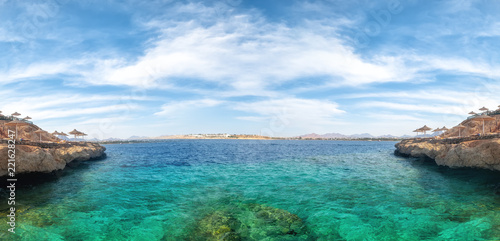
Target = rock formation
(44,160)
(475,153)
(52,154)
(250,222)
(474,127)
(456,147)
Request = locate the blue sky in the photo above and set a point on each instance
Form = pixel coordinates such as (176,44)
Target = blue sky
(279,68)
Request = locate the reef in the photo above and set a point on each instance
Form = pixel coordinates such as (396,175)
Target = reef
(250,222)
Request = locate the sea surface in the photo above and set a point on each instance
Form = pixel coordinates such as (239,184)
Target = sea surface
(259,190)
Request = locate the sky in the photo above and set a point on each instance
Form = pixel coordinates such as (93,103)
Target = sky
(270,67)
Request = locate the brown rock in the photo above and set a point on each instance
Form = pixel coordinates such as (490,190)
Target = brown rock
(477,153)
(45,160)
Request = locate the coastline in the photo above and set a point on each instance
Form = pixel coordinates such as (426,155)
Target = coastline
(264,139)
(46,158)
(475,153)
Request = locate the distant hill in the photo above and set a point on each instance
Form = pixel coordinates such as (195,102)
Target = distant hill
(333,135)
(138,138)
(364,135)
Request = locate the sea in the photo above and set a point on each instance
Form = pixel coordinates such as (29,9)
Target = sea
(258,190)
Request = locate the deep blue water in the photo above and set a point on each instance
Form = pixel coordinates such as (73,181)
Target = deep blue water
(339,190)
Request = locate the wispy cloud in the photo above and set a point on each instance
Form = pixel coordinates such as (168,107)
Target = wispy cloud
(292,111)
(176,107)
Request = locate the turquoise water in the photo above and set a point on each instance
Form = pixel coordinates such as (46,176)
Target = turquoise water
(259,190)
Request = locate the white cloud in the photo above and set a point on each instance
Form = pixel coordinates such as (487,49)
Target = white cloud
(419,108)
(292,111)
(248,54)
(180,106)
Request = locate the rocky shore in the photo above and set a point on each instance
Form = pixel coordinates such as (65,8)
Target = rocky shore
(46,159)
(41,152)
(481,153)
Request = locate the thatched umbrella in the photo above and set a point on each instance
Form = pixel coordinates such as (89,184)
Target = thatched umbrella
(27,118)
(56,134)
(15,114)
(417,131)
(460,127)
(472,113)
(484,109)
(425,128)
(62,134)
(74,132)
(444,129)
(16,123)
(483,118)
(437,130)
(39,132)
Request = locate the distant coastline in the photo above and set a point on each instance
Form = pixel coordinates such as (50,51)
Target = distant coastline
(129,141)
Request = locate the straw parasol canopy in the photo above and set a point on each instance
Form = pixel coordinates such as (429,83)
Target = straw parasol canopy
(55,133)
(15,114)
(472,113)
(74,132)
(436,130)
(460,128)
(39,132)
(483,118)
(16,123)
(77,133)
(418,131)
(27,118)
(444,128)
(484,109)
(63,134)
(425,128)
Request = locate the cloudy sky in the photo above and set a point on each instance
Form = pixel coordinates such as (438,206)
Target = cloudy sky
(279,68)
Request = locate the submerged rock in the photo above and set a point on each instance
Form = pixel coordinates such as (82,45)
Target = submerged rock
(218,225)
(250,222)
(278,221)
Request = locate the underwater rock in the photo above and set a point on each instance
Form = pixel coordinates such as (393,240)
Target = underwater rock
(218,225)
(278,221)
(250,222)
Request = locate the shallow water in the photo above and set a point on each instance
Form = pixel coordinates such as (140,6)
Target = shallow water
(341,190)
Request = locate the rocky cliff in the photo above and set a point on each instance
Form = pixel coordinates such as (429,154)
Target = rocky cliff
(474,153)
(39,159)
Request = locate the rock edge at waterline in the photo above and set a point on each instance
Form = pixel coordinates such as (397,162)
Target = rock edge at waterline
(39,159)
(483,154)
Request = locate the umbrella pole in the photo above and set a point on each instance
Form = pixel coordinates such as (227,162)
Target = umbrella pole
(483,127)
